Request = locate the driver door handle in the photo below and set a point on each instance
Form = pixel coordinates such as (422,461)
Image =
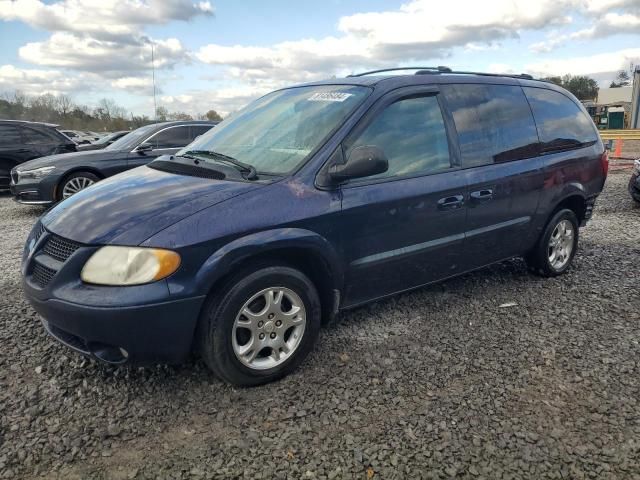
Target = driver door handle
(483,195)
(450,203)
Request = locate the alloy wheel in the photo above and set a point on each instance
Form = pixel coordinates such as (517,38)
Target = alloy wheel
(76,184)
(269,328)
(561,244)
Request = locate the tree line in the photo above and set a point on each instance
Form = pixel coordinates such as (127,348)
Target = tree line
(106,116)
(586,88)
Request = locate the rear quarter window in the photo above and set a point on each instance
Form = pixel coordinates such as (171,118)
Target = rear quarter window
(493,122)
(33,137)
(561,123)
(10,135)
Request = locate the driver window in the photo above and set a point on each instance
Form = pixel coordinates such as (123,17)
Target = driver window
(412,134)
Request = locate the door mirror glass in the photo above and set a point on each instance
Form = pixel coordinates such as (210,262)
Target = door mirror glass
(144,147)
(363,161)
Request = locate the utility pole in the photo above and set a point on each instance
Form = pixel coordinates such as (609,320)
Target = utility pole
(153,79)
(635,99)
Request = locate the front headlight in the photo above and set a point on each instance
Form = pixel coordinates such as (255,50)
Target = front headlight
(112,265)
(34,174)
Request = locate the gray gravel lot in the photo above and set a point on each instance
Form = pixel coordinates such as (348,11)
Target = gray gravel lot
(437,383)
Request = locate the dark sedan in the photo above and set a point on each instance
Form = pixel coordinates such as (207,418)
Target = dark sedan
(48,180)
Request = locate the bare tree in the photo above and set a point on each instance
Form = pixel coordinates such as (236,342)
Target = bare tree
(162,114)
(65,105)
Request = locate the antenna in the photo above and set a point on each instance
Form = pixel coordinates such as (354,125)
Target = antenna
(153,79)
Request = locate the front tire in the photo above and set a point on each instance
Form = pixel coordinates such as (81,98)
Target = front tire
(261,326)
(74,183)
(554,252)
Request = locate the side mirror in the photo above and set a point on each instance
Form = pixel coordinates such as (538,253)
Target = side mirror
(144,147)
(363,161)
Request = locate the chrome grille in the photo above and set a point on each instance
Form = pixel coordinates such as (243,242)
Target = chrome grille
(14,176)
(60,248)
(42,275)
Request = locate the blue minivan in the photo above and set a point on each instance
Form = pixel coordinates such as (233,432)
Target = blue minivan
(311,200)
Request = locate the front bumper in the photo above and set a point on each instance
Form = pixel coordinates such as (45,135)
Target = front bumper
(33,193)
(140,324)
(142,334)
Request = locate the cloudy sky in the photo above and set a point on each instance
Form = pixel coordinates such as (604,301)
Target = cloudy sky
(222,53)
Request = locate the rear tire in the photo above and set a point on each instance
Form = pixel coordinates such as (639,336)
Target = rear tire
(261,326)
(75,183)
(556,247)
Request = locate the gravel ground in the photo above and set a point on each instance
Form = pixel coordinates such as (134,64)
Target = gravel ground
(437,383)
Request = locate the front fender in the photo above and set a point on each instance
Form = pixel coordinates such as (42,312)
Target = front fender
(225,259)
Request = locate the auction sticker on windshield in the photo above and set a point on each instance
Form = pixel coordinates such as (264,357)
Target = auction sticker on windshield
(329,97)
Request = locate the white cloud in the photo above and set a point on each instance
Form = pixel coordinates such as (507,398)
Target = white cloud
(36,82)
(106,19)
(103,37)
(139,85)
(419,30)
(605,17)
(600,66)
(224,100)
(114,59)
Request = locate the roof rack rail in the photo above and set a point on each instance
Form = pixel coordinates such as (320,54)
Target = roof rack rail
(439,69)
(442,69)
(525,76)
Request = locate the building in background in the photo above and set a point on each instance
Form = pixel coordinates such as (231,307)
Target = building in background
(612,108)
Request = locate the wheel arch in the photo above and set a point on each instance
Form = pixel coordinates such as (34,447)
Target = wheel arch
(67,174)
(302,249)
(574,201)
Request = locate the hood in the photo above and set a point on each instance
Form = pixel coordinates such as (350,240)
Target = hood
(68,159)
(90,147)
(130,207)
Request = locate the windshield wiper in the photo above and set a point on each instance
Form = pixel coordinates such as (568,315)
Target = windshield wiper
(250,170)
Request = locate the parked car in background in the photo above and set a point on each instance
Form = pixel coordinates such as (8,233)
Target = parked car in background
(95,136)
(634,181)
(78,137)
(54,178)
(311,200)
(103,141)
(22,141)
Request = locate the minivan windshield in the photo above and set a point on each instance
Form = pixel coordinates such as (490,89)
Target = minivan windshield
(277,132)
(131,140)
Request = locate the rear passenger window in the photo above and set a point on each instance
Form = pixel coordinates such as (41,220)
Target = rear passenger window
(412,134)
(197,130)
(33,137)
(494,123)
(172,137)
(561,123)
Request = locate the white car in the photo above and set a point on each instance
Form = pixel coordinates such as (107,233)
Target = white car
(80,138)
